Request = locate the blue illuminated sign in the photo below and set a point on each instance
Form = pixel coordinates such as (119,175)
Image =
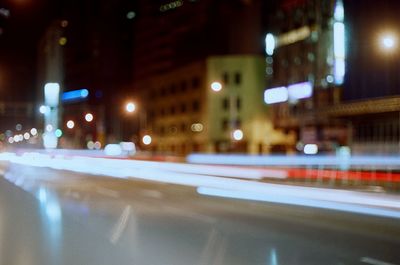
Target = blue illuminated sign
(75,95)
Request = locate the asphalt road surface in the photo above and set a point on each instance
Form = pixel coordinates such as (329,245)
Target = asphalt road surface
(53,217)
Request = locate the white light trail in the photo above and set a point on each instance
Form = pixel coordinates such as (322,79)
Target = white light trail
(341,200)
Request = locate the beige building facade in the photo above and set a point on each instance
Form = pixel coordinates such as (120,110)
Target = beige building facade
(185,115)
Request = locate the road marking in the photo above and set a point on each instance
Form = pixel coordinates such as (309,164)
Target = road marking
(373,261)
(121,224)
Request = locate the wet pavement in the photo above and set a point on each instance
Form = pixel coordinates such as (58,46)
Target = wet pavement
(58,217)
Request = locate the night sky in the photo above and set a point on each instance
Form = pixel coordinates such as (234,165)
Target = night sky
(29,18)
(18,46)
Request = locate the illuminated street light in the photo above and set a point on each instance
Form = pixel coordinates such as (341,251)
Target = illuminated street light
(388,42)
(146,139)
(27,136)
(130,107)
(89,117)
(237,135)
(44,109)
(34,131)
(216,86)
(70,124)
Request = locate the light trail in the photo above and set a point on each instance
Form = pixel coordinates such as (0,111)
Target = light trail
(341,200)
(311,160)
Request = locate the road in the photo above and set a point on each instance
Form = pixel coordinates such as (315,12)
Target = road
(50,216)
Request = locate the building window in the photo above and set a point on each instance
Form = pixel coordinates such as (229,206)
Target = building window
(172,89)
(225,125)
(237,123)
(225,103)
(163,91)
(183,86)
(162,130)
(152,114)
(183,127)
(238,103)
(225,78)
(195,82)
(195,106)
(183,108)
(153,94)
(238,78)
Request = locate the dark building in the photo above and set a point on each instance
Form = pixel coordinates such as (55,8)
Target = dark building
(347,52)
(305,69)
(373,70)
(169,34)
(97,56)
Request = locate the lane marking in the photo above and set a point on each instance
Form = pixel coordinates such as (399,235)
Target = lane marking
(373,261)
(121,224)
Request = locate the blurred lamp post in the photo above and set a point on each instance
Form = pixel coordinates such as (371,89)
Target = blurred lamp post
(237,135)
(216,86)
(70,124)
(130,107)
(89,117)
(125,125)
(388,45)
(388,42)
(146,139)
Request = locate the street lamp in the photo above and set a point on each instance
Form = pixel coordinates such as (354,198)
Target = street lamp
(237,135)
(146,139)
(70,124)
(89,117)
(44,109)
(130,107)
(388,42)
(216,86)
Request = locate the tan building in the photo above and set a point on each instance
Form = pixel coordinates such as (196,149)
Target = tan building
(184,114)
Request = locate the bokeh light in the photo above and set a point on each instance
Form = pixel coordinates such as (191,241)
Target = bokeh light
(147,139)
(89,117)
(130,107)
(70,124)
(237,135)
(216,86)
